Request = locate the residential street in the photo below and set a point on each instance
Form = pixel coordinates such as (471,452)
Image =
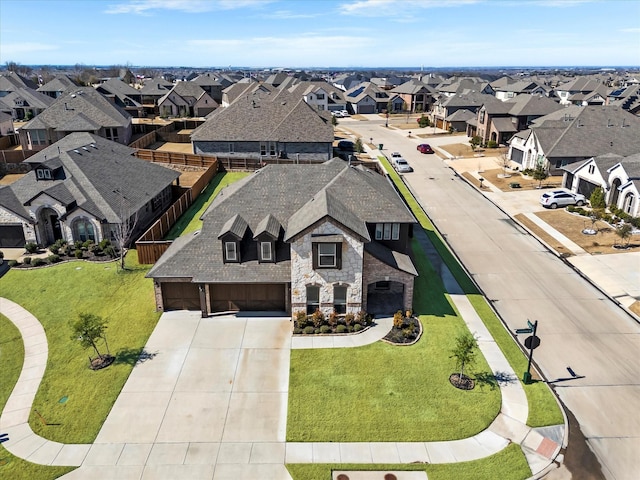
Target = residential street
(581,329)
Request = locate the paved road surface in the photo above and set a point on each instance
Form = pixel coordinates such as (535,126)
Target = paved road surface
(579,326)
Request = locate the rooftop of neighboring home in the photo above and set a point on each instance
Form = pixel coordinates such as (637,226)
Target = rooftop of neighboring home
(25,97)
(10,81)
(412,87)
(266,116)
(59,83)
(98,175)
(588,131)
(579,84)
(357,93)
(207,79)
(117,87)
(471,99)
(287,197)
(186,90)
(80,107)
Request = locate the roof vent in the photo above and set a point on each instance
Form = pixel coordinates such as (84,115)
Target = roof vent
(93,145)
(85,149)
(609,123)
(77,151)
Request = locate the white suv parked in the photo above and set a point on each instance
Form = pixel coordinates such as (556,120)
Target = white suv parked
(561,198)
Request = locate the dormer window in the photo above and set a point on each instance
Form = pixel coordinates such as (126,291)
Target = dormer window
(230,252)
(266,252)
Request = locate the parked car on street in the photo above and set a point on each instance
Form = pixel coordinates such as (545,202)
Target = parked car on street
(424,148)
(337,113)
(345,113)
(561,198)
(395,155)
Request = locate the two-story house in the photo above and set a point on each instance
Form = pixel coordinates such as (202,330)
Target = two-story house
(295,237)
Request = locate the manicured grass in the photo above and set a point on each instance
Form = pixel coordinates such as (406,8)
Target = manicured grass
(190,220)
(55,295)
(382,392)
(11,359)
(543,408)
(508,464)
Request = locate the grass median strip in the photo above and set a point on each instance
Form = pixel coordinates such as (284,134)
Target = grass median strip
(11,359)
(56,295)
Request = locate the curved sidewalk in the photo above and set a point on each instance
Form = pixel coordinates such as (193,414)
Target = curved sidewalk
(23,442)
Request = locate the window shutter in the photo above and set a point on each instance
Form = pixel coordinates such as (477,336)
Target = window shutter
(339,256)
(314,255)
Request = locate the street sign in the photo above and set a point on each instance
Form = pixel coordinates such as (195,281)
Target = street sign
(532,342)
(530,325)
(524,330)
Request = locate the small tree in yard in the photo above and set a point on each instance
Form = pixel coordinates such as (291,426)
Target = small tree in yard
(540,174)
(358,146)
(597,198)
(334,120)
(465,353)
(89,330)
(475,142)
(624,232)
(123,231)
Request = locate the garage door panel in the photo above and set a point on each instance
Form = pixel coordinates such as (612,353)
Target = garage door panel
(12,236)
(247,297)
(180,296)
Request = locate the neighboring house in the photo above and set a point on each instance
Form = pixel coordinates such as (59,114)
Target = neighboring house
(186,99)
(295,237)
(367,97)
(11,81)
(234,91)
(596,97)
(6,124)
(579,85)
(260,125)
(83,188)
(463,86)
(80,109)
(123,95)
(446,106)
(417,96)
(321,94)
(511,90)
(347,81)
(618,176)
(152,91)
(574,134)
(387,83)
(57,86)
(628,98)
(209,83)
(25,103)
(499,120)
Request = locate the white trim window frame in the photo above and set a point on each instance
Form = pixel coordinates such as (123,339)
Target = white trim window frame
(230,251)
(266,253)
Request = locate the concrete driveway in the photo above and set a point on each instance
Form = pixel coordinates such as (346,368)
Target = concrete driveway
(208,400)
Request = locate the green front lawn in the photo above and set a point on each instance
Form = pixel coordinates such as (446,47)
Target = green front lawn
(509,463)
(11,359)
(190,220)
(55,295)
(385,393)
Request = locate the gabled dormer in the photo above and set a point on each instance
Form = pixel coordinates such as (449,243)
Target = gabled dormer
(266,235)
(231,235)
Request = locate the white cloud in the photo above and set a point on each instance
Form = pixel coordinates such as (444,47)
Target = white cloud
(144,7)
(25,48)
(288,15)
(405,9)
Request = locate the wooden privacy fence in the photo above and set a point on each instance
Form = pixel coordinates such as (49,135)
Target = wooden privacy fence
(150,245)
(144,141)
(255,163)
(16,156)
(174,158)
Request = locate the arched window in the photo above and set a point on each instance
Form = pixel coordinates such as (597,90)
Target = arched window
(83,230)
(628,202)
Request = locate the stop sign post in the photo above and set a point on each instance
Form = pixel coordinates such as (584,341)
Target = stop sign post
(531,343)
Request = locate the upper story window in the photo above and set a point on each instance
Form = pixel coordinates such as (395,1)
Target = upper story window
(37,137)
(266,252)
(327,255)
(111,133)
(387,231)
(230,251)
(592,169)
(232,148)
(481,116)
(320,96)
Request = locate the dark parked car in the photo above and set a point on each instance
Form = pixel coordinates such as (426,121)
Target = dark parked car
(424,148)
(346,146)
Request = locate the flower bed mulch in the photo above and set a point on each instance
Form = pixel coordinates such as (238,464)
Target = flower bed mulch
(407,334)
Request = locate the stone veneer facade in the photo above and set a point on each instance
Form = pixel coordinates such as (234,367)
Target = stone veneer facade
(303,274)
(377,271)
(8,218)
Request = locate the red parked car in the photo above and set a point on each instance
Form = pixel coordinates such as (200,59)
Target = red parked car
(425,148)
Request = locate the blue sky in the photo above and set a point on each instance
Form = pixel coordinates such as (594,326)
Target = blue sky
(321,33)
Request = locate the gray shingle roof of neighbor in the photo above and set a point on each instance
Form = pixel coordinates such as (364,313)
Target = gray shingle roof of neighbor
(258,119)
(412,87)
(10,81)
(81,100)
(59,83)
(532,105)
(101,176)
(282,191)
(117,86)
(504,124)
(33,98)
(79,123)
(593,131)
(461,115)
(604,162)
(156,87)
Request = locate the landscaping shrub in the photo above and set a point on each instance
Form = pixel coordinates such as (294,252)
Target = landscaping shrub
(325,329)
(364,318)
(424,121)
(317,318)
(492,144)
(109,250)
(341,329)
(104,243)
(31,247)
(398,319)
(348,318)
(309,330)
(597,198)
(357,327)
(333,319)
(79,253)
(1,254)
(27,260)
(13,263)
(53,258)
(77,245)
(635,221)
(37,262)
(297,330)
